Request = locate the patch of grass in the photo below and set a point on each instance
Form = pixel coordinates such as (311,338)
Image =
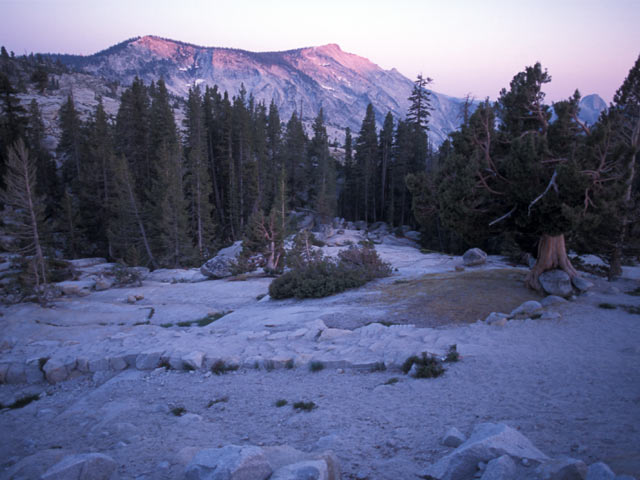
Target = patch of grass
(178,411)
(269,365)
(378,367)
(141,323)
(316,366)
(164,363)
(607,306)
(220,367)
(281,402)
(201,322)
(635,293)
(211,403)
(400,282)
(304,406)
(452,354)
(427,366)
(21,402)
(290,364)
(187,367)
(166,325)
(392,381)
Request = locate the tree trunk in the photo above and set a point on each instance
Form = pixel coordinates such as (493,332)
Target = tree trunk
(552,254)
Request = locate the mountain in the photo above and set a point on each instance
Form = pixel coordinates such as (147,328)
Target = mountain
(305,79)
(590,108)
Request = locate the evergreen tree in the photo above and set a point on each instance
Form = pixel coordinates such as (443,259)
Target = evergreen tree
(323,174)
(348,194)
(386,153)
(365,166)
(12,120)
(70,145)
(420,98)
(47,184)
(295,155)
(198,180)
(625,114)
(26,211)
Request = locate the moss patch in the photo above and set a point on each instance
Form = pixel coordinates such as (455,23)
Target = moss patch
(456,297)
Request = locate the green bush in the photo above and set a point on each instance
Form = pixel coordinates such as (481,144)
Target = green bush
(324,276)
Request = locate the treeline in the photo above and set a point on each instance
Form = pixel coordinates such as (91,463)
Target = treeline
(512,178)
(145,190)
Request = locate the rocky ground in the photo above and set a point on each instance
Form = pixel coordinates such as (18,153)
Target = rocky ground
(565,375)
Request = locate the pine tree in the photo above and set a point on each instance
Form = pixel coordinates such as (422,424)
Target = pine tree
(385,149)
(295,155)
(26,209)
(12,120)
(626,117)
(420,98)
(365,166)
(348,194)
(198,180)
(322,171)
(47,184)
(70,144)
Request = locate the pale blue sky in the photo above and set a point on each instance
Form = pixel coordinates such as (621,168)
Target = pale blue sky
(467,46)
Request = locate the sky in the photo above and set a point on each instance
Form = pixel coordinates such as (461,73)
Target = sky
(467,46)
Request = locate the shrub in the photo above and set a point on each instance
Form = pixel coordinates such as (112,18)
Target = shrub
(304,406)
(316,366)
(324,276)
(452,354)
(126,276)
(220,367)
(426,366)
(281,402)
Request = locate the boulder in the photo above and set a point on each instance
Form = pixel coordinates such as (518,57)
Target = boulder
(80,263)
(232,462)
(79,288)
(453,438)
(501,468)
(103,283)
(474,256)
(498,319)
(526,310)
(307,470)
(550,300)
(193,360)
(413,235)
(35,465)
(563,469)
(581,284)
(222,264)
(600,471)
(95,466)
(488,441)
(556,282)
(58,369)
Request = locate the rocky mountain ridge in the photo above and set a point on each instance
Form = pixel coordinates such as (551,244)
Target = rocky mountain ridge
(302,80)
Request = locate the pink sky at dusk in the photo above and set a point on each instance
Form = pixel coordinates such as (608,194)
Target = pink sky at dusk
(466,46)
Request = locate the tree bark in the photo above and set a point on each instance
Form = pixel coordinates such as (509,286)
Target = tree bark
(552,254)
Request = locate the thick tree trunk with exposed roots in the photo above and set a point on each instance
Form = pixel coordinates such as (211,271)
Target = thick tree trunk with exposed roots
(552,254)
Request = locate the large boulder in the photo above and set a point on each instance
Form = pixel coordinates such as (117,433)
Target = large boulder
(222,264)
(488,441)
(229,463)
(474,256)
(501,468)
(95,466)
(556,282)
(563,469)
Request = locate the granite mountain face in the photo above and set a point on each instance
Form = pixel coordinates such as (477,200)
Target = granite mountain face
(304,80)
